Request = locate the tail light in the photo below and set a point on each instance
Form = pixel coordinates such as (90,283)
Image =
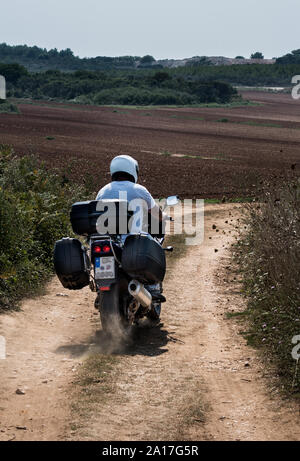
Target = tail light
(106,249)
(101,249)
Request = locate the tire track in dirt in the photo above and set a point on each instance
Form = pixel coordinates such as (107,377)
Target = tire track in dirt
(185,379)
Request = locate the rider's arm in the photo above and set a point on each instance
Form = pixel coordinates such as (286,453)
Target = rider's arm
(153,209)
(157,213)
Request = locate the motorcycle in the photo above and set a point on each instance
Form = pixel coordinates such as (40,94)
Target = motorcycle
(125,270)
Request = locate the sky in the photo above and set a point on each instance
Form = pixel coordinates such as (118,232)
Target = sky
(161,28)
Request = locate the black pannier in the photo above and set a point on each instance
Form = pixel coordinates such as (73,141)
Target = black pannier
(69,263)
(84,217)
(144,259)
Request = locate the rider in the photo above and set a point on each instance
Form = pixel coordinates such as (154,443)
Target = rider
(124,174)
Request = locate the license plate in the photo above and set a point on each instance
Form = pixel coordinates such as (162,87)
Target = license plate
(105,267)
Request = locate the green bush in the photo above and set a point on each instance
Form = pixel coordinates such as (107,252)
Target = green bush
(12,72)
(34,213)
(142,96)
(8,107)
(269,256)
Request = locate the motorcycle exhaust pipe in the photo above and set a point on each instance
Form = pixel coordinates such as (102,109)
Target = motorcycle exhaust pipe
(139,292)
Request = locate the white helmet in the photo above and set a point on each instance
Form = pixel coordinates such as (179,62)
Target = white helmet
(125,164)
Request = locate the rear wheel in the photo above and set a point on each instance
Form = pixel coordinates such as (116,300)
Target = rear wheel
(154,313)
(112,315)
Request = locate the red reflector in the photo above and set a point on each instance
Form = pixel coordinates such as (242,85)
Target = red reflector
(97,249)
(106,249)
(104,288)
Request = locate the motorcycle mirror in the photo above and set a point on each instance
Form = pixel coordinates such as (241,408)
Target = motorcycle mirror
(172,200)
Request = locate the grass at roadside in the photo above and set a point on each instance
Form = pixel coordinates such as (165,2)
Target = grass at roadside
(34,213)
(193,411)
(268,254)
(92,385)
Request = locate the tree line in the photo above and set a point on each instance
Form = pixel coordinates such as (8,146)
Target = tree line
(35,58)
(246,74)
(143,87)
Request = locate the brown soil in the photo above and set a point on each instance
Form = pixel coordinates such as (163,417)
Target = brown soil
(183,150)
(191,378)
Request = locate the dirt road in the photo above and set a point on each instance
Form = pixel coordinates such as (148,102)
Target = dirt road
(191,378)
